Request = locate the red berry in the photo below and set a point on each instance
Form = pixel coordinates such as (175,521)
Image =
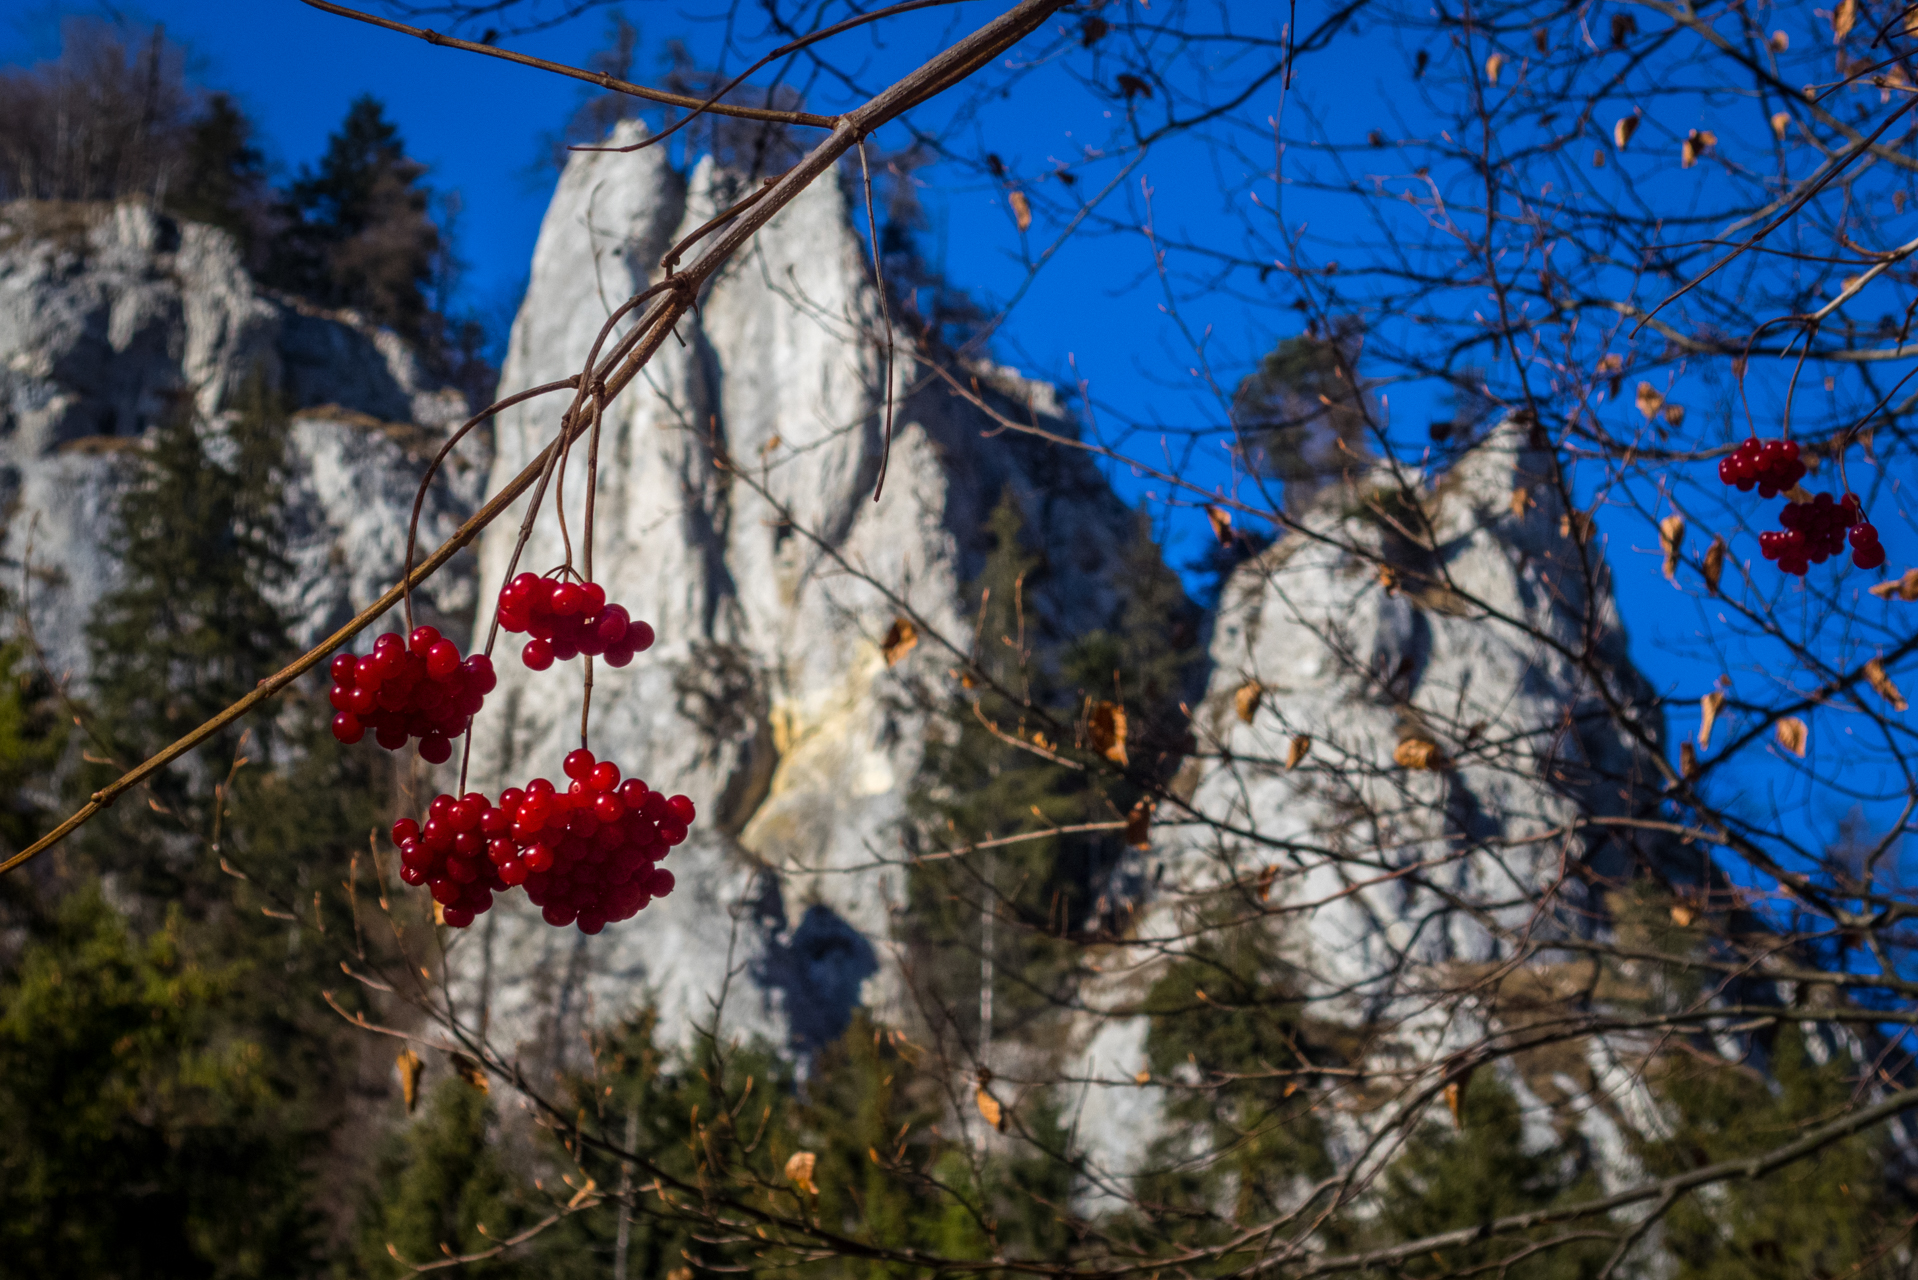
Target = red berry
(343,668)
(604,776)
(347,728)
(537,655)
(578,763)
(595,597)
(442,660)
(368,672)
(422,639)
(391,736)
(639,637)
(568,599)
(412,875)
(480,675)
(660,883)
(632,793)
(538,857)
(457,917)
(445,891)
(435,749)
(1868,557)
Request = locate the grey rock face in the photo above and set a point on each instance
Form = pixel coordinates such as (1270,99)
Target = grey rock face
(1474,646)
(735,513)
(109,316)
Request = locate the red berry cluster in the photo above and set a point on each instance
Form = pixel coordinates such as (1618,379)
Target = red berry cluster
(567,619)
(416,688)
(1817,530)
(586,855)
(1772,466)
(1814,530)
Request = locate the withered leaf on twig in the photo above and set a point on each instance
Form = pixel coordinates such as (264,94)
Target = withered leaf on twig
(1671,538)
(1674,414)
(1577,525)
(1792,734)
(1418,753)
(1522,501)
(901,636)
(1297,750)
(1650,400)
(1905,587)
(1021,210)
(1682,915)
(1687,761)
(1138,825)
(1266,877)
(1696,144)
(1780,120)
(470,1072)
(1245,700)
(799,1170)
(1843,19)
(1714,563)
(1708,709)
(1622,131)
(1105,727)
(1455,1098)
(1493,65)
(1875,672)
(1389,579)
(1221,521)
(410,1070)
(990,1110)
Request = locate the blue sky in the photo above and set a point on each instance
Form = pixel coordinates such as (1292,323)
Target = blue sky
(1097,311)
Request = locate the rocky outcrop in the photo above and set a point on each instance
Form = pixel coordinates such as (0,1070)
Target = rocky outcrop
(1412,709)
(736,513)
(112,317)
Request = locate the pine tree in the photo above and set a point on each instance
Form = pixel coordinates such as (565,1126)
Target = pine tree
(363,235)
(1479,1169)
(223,180)
(1825,1215)
(143,1137)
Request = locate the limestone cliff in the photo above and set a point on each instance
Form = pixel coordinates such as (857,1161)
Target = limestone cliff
(109,316)
(736,514)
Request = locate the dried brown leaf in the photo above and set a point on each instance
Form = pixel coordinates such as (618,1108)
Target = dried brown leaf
(1266,877)
(1105,727)
(1792,735)
(1455,1098)
(1144,1077)
(1687,761)
(1708,709)
(1522,501)
(900,639)
(1246,698)
(1021,210)
(990,1110)
(1622,136)
(1674,414)
(1843,19)
(1298,749)
(1671,539)
(1696,144)
(1780,121)
(1418,753)
(1650,400)
(470,1071)
(1221,523)
(1389,579)
(1880,681)
(1682,915)
(1493,65)
(411,1069)
(1779,42)
(799,1171)
(1714,563)
(1905,587)
(1138,825)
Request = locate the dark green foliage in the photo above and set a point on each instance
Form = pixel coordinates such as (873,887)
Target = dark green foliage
(1451,1176)
(1305,413)
(441,1181)
(363,234)
(1047,896)
(144,1132)
(1826,1215)
(224,181)
(33,736)
(1225,1023)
